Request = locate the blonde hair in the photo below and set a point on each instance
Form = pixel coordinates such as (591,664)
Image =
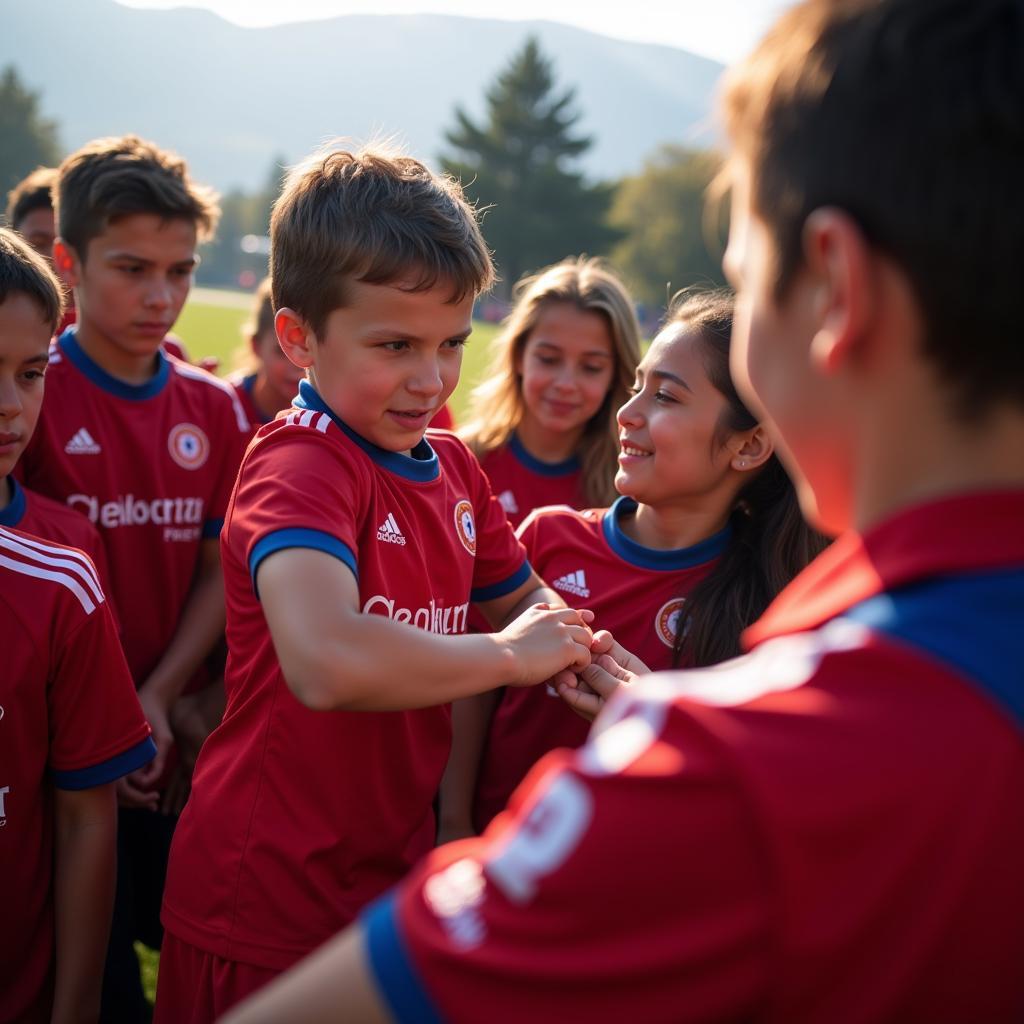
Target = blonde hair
(497,408)
(260,320)
(376,217)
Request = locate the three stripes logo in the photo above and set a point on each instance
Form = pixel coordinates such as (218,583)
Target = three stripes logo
(573,583)
(82,444)
(389,533)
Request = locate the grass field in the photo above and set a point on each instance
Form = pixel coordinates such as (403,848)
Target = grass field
(211,325)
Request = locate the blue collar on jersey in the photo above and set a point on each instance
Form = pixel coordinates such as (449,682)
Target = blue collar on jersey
(248,383)
(69,347)
(653,558)
(422,465)
(569,465)
(12,512)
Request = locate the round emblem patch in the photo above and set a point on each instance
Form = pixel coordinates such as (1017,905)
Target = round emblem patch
(666,622)
(188,445)
(465,527)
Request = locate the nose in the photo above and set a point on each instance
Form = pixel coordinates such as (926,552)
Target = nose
(427,380)
(630,414)
(10,400)
(158,295)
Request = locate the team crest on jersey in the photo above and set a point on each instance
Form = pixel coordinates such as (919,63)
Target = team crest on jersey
(666,622)
(188,445)
(465,527)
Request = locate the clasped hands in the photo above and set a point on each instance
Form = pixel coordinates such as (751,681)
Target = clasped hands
(611,666)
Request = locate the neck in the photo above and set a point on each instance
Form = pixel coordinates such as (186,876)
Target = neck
(266,398)
(666,529)
(544,445)
(6,492)
(130,367)
(948,459)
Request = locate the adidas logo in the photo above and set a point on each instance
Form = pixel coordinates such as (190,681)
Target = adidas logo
(389,532)
(82,444)
(507,500)
(573,583)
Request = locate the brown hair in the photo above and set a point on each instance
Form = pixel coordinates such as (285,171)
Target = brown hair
(31,193)
(24,272)
(259,322)
(909,116)
(108,179)
(769,541)
(497,403)
(375,217)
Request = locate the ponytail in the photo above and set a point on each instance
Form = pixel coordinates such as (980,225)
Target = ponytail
(770,542)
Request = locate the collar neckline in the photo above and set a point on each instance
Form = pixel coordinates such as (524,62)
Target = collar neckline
(532,463)
(948,536)
(421,466)
(13,512)
(671,559)
(76,355)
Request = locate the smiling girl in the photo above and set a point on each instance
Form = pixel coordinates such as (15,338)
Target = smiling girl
(706,531)
(543,422)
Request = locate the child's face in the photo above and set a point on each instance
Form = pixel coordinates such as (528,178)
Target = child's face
(388,360)
(37,228)
(566,365)
(772,362)
(670,448)
(24,345)
(134,280)
(282,374)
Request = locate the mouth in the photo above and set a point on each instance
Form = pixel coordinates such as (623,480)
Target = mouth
(412,419)
(629,450)
(9,441)
(153,327)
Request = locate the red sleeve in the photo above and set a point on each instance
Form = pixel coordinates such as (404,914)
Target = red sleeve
(229,443)
(97,730)
(623,883)
(298,488)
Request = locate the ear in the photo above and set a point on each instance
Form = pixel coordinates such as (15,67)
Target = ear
(839,260)
(750,449)
(295,337)
(66,263)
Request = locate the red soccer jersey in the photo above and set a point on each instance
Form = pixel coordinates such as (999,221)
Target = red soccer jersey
(297,818)
(522,483)
(243,385)
(635,592)
(829,828)
(152,467)
(443,419)
(36,514)
(69,718)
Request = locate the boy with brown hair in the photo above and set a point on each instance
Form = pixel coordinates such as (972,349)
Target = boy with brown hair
(70,724)
(30,210)
(352,549)
(147,447)
(828,828)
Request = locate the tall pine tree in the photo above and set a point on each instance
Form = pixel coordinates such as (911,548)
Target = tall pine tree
(518,166)
(29,139)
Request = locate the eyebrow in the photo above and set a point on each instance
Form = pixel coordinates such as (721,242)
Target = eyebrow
(591,354)
(42,357)
(388,334)
(192,261)
(665,375)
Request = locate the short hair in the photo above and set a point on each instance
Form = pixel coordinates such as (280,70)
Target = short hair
(909,116)
(375,217)
(261,316)
(24,272)
(31,193)
(108,179)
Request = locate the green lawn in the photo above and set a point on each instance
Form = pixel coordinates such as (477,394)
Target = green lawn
(211,325)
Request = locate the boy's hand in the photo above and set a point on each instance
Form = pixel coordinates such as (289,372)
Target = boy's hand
(612,666)
(154,707)
(546,641)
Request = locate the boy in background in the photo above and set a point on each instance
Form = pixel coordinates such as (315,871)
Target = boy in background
(147,447)
(30,210)
(70,724)
(828,828)
(352,549)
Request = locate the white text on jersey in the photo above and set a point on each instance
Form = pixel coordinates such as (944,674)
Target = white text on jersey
(182,518)
(573,583)
(389,533)
(434,619)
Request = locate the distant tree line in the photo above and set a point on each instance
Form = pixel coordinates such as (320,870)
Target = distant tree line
(519,163)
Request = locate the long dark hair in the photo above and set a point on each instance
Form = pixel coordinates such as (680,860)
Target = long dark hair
(770,542)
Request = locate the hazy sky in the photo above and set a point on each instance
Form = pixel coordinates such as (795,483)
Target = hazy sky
(722,29)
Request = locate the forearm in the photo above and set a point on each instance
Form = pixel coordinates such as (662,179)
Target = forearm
(199,627)
(471,720)
(84,872)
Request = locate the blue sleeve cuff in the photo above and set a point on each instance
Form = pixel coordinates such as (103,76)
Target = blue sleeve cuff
(212,528)
(396,978)
(506,586)
(100,774)
(298,537)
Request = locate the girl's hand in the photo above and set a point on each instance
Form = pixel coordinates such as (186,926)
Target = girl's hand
(546,641)
(605,643)
(595,684)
